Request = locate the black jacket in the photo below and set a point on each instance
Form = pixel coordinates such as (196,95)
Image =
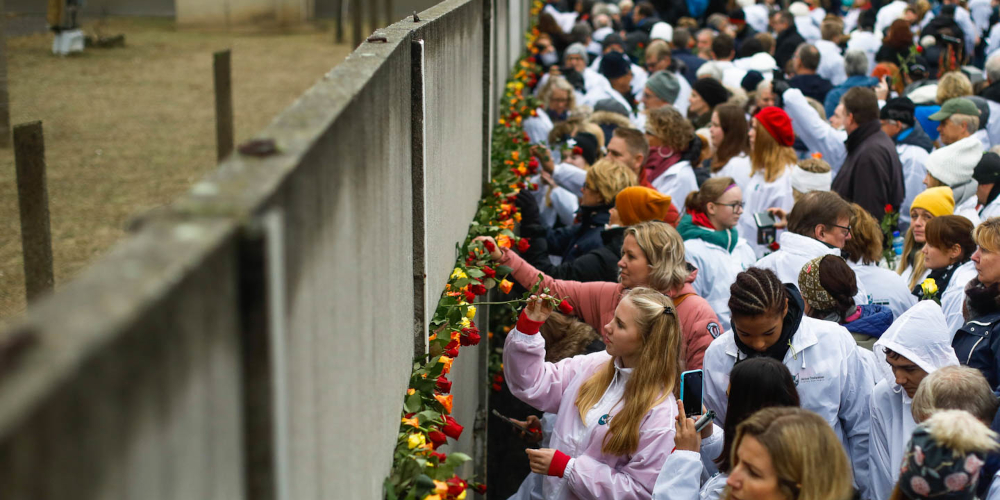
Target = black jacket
(977,343)
(919,138)
(872,175)
(992,92)
(599,264)
(785,46)
(814,86)
(573,241)
(691,63)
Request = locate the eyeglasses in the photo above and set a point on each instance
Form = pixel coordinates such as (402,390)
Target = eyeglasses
(845,228)
(737,206)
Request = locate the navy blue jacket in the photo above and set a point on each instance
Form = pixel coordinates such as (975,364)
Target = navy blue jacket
(814,86)
(977,345)
(874,321)
(573,241)
(691,63)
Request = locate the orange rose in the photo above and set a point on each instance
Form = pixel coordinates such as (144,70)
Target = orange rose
(411,421)
(504,241)
(505,285)
(446,361)
(445,401)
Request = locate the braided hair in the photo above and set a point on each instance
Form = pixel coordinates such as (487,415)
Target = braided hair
(757,292)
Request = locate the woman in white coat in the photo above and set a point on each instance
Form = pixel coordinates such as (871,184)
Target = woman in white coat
(818,225)
(667,170)
(830,376)
(698,469)
(863,253)
(948,254)
(771,159)
(730,141)
(711,242)
(917,344)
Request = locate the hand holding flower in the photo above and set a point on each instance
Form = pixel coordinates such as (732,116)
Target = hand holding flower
(491,246)
(539,308)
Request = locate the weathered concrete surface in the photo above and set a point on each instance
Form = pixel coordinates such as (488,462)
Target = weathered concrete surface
(237,12)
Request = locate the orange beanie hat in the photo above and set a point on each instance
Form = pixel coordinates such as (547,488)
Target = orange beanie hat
(640,204)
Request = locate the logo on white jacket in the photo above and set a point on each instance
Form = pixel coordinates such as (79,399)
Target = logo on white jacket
(714,330)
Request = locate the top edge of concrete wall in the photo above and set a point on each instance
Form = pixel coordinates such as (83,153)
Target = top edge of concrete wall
(140,272)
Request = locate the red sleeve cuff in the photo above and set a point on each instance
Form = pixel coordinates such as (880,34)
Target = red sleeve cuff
(558,464)
(528,326)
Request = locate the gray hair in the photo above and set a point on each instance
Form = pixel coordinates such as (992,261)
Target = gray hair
(602,21)
(955,388)
(581,32)
(993,69)
(764,84)
(971,123)
(576,49)
(557,83)
(855,63)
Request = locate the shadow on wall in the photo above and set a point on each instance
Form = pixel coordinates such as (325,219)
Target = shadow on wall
(400,8)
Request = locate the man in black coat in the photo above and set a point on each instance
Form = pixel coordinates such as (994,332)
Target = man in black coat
(788,38)
(872,175)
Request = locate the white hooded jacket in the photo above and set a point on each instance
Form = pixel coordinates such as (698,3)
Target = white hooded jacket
(954,296)
(717,269)
(758,196)
(920,336)
(885,287)
(817,133)
(830,376)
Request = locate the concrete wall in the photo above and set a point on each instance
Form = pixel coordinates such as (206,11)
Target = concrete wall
(158,8)
(235,12)
(254,339)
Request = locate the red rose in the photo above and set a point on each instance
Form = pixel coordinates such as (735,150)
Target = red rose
(774,245)
(920,50)
(514,140)
(489,272)
(443,385)
(478,289)
(565,307)
(437,438)
(526,138)
(469,296)
(577,150)
(888,207)
(490,247)
(520,185)
(496,387)
(470,336)
(451,350)
(469,261)
(440,456)
(455,486)
(480,488)
(523,245)
(498,378)
(452,428)
(533,164)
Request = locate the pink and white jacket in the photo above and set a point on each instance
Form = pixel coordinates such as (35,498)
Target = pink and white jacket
(553,387)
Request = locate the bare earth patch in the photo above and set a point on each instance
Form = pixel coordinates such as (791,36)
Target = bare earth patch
(130,129)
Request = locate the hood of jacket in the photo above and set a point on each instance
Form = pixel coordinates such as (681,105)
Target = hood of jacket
(805,246)
(610,118)
(964,191)
(724,238)
(863,133)
(858,81)
(917,137)
(919,335)
(873,321)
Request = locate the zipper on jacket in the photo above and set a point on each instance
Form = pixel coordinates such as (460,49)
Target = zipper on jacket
(973,350)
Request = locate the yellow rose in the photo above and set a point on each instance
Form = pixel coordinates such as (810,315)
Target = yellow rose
(465,323)
(458,273)
(440,487)
(471,312)
(415,440)
(929,286)
(461,496)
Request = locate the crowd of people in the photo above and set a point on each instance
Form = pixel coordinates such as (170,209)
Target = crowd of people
(800,200)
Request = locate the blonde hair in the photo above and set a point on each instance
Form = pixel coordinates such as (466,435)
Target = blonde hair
(910,244)
(558,83)
(953,84)
(865,244)
(608,177)
(669,126)
(768,156)
(987,234)
(655,376)
(808,458)
(664,250)
(954,388)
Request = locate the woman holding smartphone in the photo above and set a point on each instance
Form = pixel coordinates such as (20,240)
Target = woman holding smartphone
(615,409)
(768,320)
(699,467)
(771,160)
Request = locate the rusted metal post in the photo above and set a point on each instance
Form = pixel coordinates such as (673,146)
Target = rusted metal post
(224,139)
(33,202)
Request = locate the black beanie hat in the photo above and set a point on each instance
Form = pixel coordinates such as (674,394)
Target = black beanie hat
(900,109)
(588,143)
(751,81)
(711,91)
(614,65)
(988,169)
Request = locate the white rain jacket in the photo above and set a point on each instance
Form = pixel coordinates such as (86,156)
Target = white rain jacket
(817,133)
(831,378)
(954,296)
(885,287)
(717,269)
(795,251)
(739,168)
(676,182)
(920,336)
(913,159)
(831,62)
(689,475)
(760,195)
(564,203)
(538,127)
(992,209)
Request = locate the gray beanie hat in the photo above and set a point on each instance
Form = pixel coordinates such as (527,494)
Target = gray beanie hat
(664,85)
(576,49)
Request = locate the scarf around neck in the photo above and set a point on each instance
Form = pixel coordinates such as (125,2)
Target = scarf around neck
(660,159)
(793,318)
(941,278)
(695,226)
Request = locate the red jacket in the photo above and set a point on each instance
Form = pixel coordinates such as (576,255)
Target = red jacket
(595,303)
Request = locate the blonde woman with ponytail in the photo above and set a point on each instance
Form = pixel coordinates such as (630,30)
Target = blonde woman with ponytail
(615,409)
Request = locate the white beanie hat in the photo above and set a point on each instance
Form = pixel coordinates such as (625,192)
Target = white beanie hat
(662,31)
(954,163)
(798,9)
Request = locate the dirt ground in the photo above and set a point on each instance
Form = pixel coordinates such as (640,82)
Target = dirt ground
(129,129)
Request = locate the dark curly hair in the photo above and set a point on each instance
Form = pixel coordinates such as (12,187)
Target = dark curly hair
(757,292)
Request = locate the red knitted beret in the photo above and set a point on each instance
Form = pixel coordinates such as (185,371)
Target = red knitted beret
(777,122)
